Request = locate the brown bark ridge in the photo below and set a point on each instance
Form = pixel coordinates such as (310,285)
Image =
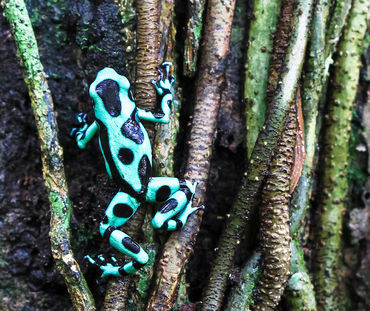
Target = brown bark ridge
(275,238)
(146,98)
(147,56)
(281,42)
(179,246)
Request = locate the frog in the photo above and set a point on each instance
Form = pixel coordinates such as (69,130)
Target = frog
(127,153)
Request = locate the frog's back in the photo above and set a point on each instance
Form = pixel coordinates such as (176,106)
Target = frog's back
(123,139)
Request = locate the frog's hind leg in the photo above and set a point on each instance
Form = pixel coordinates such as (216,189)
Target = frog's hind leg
(119,211)
(177,194)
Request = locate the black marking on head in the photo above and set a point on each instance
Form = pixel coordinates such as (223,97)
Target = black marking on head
(187,192)
(163,193)
(122,271)
(169,103)
(108,91)
(105,220)
(131,129)
(178,224)
(122,210)
(108,232)
(168,206)
(104,141)
(131,245)
(145,171)
(137,265)
(126,156)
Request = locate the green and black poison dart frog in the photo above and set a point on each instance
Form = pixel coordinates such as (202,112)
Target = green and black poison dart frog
(127,153)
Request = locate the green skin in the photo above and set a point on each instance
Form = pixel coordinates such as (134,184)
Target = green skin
(127,153)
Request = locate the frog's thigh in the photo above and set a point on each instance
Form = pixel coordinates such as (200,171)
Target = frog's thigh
(173,206)
(120,210)
(161,188)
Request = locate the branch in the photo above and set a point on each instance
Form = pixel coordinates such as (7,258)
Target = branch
(178,248)
(51,153)
(299,293)
(275,218)
(295,41)
(163,151)
(193,36)
(260,45)
(147,56)
(334,163)
(241,297)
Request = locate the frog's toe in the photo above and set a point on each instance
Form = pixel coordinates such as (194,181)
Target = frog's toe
(73,132)
(81,118)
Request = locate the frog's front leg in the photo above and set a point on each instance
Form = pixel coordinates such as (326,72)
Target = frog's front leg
(163,87)
(85,132)
(177,195)
(119,211)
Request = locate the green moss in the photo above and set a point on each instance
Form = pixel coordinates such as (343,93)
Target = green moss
(356,169)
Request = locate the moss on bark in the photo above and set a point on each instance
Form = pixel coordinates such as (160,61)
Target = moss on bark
(334,162)
(260,45)
(51,153)
(266,142)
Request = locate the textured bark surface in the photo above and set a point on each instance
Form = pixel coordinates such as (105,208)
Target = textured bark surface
(51,153)
(179,246)
(333,181)
(275,239)
(147,36)
(260,159)
(193,36)
(260,46)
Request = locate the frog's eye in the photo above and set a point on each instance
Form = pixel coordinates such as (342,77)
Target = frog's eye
(108,91)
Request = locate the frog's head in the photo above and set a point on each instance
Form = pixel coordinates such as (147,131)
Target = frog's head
(109,91)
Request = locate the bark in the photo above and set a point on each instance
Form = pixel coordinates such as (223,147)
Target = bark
(51,153)
(145,97)
(266,142)
(147,56)
(260,45)
(241,297)
(179,246)
(333,180)
(275,219)
(322,46)
(299,293)
(163,151)
(193,36)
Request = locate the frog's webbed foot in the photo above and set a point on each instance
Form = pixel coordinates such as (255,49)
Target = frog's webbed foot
(107,268)
(177,208)
(80,131)
(182,218)
(166,80)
